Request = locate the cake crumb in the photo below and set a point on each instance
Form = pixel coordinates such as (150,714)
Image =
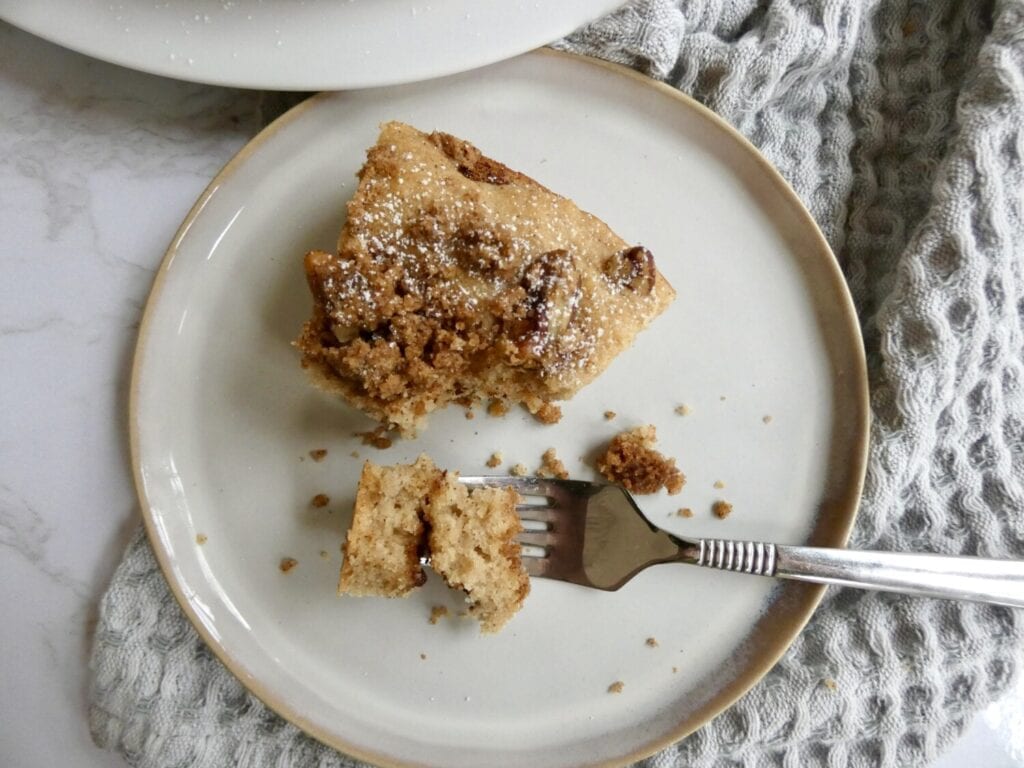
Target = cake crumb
(767,419)
(631,460)
(320,501)
(519,470)
(722,398)
(721,509)
(609,415)
(718,484)
(494,460)
(377,437)
(201,539)
(497,408)
(548,413)
(287,563)
(318,454)
(684,512)
(616,687)
(651,642)
(354,454)
(437,613)
(552,466)
(683,410)
(423,656)
(470,415)
(325,554)
(674,670)
(829,683)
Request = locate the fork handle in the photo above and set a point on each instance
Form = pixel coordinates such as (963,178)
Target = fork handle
(956,577)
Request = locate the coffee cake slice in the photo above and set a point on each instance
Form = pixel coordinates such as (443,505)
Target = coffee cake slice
(459,279)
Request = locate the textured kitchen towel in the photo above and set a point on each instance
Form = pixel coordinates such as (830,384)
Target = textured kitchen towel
(899,124)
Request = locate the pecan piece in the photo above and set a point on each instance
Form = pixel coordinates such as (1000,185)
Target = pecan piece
(552,286)
(632,268)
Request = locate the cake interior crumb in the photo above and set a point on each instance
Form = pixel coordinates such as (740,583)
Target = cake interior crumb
(470,415)
(718,484)
(320,501)
(497,408)
(519,470)
(829,683)
(674,670)
(201,539)
(495,460)
(318,454)
(767,419)
(287,563)
(437,613)
(721,509)
(609,415)
(616,687)
(651,642)
(683,410)
(684,512)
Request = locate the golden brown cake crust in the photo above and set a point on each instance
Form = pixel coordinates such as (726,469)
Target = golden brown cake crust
(631,461)
(459,278)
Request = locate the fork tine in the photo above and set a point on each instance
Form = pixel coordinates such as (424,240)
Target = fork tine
(536,538)
(526,486)
(536,566)
(537,514)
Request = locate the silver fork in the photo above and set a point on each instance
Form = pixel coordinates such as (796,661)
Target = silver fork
(594,534)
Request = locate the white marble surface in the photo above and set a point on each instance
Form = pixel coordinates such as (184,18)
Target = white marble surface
(98,166)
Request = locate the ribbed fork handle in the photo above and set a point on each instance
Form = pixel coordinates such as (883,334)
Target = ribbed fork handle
(950,576)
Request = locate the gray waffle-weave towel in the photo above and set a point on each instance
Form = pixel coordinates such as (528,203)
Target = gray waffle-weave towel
(899,124)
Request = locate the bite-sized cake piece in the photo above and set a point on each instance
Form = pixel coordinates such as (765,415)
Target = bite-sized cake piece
(407,512)
(472,543)
(457,278)
(384,544)
(631,461)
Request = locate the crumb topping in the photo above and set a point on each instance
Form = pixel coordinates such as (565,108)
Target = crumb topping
(721,509)
(631,461)
(377,437)
(437,613)
(457,277)
(552,466)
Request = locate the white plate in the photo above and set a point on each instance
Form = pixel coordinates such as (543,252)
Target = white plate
(222,417)
(305,45)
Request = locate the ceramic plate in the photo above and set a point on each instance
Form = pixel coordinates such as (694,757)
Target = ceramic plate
(307,45)
(761,344)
